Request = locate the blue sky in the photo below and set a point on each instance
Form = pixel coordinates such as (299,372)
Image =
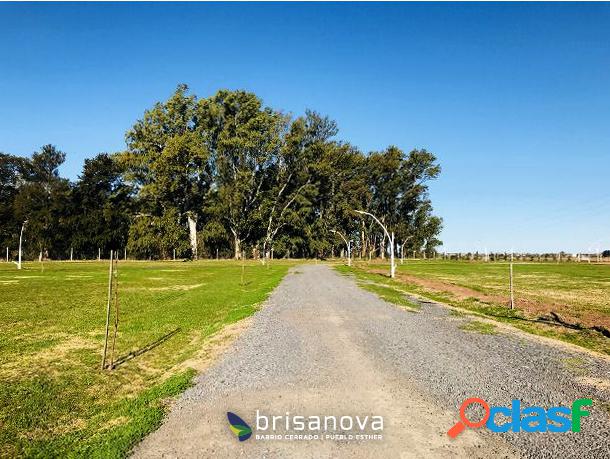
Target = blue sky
(514,99)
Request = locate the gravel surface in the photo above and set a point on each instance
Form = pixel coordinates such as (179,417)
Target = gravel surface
(323,346)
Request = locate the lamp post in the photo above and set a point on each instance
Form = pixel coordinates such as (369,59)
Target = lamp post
(390,237)
(20,242)
(349,248)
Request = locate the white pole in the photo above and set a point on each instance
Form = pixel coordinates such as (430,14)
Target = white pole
(349,253)
(512,297)
(174,254)
(347,243)
(393,267)
(20,241)
(71,253)
(125,254)
(7,254)
(99,254)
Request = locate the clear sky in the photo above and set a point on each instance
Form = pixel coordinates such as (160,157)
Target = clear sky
(514,99)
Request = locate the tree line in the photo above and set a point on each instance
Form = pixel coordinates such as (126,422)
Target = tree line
(220,176)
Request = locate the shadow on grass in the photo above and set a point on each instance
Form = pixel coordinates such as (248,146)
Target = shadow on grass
(149,347)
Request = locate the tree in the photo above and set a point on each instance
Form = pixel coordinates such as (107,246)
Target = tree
(424,230)
(215,239)
(43,200)
(417,226)
(12,169)
(289,196)
(222,174)
(340,176)
(244,139)
(399,198)
(156,237)
(386,184)
(101,207)
(167,160)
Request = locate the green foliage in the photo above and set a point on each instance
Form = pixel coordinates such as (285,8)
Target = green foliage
(227,175)
(43,200)
(12,170)
(244,139)
(106,199)
(153,237)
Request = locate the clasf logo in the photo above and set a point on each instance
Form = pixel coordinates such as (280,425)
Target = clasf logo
(528,419)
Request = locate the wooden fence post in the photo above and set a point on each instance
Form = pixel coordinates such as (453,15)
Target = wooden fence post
(108,311)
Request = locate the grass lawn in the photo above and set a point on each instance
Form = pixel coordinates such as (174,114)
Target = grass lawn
(578,292)
(55,400)
(582,286)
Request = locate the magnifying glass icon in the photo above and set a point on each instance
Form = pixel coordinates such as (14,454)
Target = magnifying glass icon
(464,421)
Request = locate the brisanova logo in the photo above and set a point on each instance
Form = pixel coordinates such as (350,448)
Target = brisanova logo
(294,427)
(239,427)
(528,419)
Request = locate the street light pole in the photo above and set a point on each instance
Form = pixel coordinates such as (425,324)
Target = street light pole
(392,265)
(390,237)
(349,249)
(349,253)
(20,242)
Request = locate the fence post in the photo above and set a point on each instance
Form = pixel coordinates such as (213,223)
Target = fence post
(115,293)
(108,311)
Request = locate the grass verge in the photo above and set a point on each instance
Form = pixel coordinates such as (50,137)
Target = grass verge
(476,326)
(519,318)
(384,289)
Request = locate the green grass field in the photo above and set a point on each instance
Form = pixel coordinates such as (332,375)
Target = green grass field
(582,286)
(578,292)
(55,400)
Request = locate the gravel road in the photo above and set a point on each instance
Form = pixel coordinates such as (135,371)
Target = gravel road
(323,346)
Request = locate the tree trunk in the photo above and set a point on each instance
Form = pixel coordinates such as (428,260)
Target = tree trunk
(192,223)
(265,254)
(237,248)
